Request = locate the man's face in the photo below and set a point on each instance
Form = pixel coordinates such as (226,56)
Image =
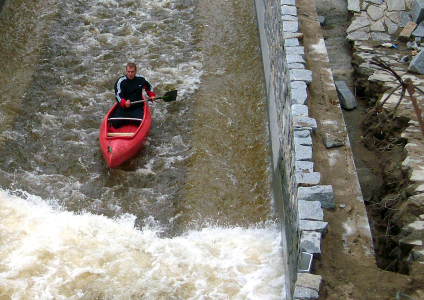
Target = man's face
(131,73)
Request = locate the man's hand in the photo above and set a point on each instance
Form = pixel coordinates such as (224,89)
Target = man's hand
(152,99)
(127,103)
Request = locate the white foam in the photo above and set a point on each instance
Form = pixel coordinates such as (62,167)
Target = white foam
(50,254)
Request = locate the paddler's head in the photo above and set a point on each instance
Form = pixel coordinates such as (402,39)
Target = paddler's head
(131,70)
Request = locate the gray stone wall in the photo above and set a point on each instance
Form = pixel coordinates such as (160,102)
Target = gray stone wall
(277,82)
(297,193)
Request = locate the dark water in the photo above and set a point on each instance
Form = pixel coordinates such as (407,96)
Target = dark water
(205,166)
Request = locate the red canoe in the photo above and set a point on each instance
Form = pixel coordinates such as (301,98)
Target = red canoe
(119,145)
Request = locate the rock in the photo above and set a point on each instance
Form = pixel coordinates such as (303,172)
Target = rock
(330,141)
(415,204)
(310,241)
(393,16)
(375,12)
(378,26)
(289,10)
(405,18)
(306,179)
(353,5)
(417,226)
(304,293)
(365,69)
(413,235)
(310,210)
(417,64)
(321,20)
(407,31)
(416,253)
(291,42)
(309,281)
(318,226)
(304,141)
(298,92)
(358,23)
(391,27)
(419,31)
(299,110)
(295,58)
(322,193)
(304,166)
(417,11)
(303,124)
(290,35)
(358,36)
(379,2)
(290,26)
(289,18)
(303,152)
(382,77)
(411,241)
(302,133)
(347,100)
(301,75)
(395,5)
(299,50)
(296,66)
(413,45)
(382,37)
(365,5)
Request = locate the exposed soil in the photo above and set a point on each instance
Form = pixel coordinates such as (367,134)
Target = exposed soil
(378,153)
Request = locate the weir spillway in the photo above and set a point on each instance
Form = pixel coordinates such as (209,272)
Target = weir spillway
(193,213)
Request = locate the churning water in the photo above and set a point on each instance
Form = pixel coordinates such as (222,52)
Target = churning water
(191,216)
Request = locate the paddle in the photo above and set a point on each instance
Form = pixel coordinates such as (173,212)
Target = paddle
(167,97)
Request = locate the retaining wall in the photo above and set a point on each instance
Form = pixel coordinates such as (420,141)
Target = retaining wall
(280,131)
(299,197)
(290,128)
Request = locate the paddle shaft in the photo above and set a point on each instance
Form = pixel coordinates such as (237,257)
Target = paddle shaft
(141,101)
(168,97)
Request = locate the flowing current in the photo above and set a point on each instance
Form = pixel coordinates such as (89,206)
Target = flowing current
(191,215)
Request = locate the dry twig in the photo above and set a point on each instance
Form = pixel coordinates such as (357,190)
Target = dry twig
(406,85)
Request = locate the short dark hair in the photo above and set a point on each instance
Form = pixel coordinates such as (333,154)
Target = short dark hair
(131,65)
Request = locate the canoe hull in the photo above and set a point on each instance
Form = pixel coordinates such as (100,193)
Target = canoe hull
(118,149)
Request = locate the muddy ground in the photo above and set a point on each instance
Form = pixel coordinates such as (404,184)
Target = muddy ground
(345,277)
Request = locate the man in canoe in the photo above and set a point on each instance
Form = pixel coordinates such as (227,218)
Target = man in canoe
(129,88)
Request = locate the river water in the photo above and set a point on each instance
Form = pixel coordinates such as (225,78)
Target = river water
(190,216)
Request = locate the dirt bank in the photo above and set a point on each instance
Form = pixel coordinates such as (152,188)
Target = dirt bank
(345,276)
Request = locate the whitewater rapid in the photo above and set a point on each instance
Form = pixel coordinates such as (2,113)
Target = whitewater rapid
(49,253)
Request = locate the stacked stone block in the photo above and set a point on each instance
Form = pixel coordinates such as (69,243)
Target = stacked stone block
(311,197)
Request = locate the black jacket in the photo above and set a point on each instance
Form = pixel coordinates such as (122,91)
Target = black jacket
(126,89)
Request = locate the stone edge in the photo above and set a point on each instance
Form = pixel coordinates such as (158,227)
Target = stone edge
(311,225)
